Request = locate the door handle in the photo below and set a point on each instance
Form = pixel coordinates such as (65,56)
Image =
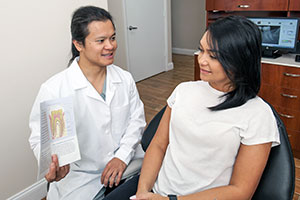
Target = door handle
(132,27)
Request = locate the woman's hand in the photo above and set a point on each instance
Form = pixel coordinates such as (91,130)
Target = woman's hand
(113,172)
(149,196)
(56,173)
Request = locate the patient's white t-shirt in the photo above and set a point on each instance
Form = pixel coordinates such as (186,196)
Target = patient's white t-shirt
(203,144)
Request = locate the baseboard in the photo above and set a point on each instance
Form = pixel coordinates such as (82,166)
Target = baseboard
(170,66)
(189,52)
(37,191)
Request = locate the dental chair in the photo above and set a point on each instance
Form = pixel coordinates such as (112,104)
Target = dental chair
(278,179)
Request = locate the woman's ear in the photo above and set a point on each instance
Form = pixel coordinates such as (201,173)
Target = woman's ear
(78,45)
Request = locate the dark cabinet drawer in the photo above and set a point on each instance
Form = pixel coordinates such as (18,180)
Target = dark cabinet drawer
(286,77)
(294,5)
(247,5)
(283,97)
(290,118)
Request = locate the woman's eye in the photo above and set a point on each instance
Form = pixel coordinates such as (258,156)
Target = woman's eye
(100,41)
(113,38)
(213,57)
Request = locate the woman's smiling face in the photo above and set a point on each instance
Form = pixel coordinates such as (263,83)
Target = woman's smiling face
(211,69)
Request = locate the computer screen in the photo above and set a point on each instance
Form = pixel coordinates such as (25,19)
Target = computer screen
(278,34)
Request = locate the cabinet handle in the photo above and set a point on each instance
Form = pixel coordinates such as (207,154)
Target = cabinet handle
(286,116)
(289,96)
(289,135)
(243,6)
(291,75)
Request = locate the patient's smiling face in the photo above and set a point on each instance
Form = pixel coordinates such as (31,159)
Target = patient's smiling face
(211,69)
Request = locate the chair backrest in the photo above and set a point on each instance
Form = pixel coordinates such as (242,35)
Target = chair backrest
(278,179)
(151,129)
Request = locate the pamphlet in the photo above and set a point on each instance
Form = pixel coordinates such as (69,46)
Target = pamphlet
(58,134)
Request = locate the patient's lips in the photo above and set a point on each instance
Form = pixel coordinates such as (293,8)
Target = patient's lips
(204,71)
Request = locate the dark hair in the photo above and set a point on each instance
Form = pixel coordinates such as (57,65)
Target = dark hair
(236,43)
(81,18)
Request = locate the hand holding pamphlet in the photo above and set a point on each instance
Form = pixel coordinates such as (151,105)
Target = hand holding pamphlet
(58,134)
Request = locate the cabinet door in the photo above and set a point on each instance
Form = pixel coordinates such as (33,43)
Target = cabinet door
(247,5)
(294,5)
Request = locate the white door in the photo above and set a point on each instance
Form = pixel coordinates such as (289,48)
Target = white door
(146,34)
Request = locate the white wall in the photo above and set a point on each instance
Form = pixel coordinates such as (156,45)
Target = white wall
(188,25)
(35,44)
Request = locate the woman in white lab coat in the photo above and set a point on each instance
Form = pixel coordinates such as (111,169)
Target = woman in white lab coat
(109,114)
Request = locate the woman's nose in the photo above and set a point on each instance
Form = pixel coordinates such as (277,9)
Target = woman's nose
(202,60)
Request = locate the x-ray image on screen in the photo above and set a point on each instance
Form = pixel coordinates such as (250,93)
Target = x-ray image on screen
(270,34)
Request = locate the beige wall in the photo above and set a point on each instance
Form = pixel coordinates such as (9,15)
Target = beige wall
(188,24)
(35,44)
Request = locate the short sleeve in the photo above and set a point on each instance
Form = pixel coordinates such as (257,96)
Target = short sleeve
(172,98)
(262,128)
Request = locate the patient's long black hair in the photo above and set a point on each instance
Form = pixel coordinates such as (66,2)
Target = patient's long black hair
(236,43)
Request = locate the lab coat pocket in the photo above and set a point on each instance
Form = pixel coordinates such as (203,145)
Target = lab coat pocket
(120,118)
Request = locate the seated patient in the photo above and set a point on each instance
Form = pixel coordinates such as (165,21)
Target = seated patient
(215,136)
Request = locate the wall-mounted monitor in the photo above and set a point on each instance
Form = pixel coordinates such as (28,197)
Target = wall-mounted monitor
(278,35)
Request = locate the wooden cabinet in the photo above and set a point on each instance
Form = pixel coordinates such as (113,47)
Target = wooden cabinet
(294,5)
(251,8)
(281,88)
(247,5)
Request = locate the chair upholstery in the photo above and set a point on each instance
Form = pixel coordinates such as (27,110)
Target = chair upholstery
(278,179)
(133,168)
(151,129)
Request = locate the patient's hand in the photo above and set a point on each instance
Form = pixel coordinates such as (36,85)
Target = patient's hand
(56,173)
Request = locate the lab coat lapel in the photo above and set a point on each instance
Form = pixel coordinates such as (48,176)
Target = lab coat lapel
(113,79)
(79,81)
(92,92)
(76,77)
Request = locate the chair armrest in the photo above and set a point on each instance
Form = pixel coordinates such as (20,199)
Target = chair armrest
(133,168)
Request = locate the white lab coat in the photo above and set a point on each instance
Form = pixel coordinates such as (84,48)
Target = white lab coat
(105,129)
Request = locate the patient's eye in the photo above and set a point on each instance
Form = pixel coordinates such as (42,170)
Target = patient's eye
(200,49)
